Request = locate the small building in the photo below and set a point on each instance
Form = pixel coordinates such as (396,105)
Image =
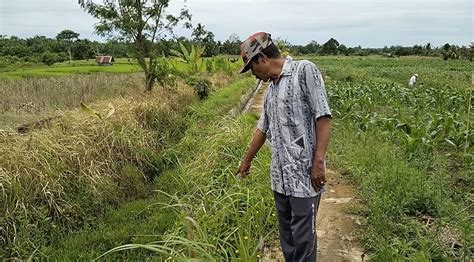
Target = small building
(104,60)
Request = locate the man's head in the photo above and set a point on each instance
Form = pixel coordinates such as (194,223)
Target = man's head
(257,52)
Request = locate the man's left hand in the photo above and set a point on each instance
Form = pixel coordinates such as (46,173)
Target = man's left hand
(318,175)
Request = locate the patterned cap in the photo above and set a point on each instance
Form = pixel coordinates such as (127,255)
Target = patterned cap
(252,46)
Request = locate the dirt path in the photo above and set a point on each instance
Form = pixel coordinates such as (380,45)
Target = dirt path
(337,240)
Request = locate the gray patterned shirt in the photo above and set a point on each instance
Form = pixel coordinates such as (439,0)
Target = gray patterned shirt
(290,109)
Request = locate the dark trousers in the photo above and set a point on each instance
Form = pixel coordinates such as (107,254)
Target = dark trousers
(297,220)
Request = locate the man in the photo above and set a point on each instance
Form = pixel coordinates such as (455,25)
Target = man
(412,80)
(296,120)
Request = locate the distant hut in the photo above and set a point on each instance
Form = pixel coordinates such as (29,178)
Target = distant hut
(104,60)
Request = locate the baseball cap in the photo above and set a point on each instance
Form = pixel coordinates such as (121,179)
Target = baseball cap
(252,46)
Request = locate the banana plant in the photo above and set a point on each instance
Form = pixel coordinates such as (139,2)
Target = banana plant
(193,57)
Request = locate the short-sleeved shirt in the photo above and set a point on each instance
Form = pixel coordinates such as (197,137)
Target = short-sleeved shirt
(291,107)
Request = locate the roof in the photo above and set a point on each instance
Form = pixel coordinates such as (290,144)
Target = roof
(104,59)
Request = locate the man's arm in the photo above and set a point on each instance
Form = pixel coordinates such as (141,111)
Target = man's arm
(318,168)
(323,132)
(257,142)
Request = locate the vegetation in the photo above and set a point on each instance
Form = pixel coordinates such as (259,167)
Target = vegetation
(139,22)
(192,58)
(75,168)
(416,196)
(410,151)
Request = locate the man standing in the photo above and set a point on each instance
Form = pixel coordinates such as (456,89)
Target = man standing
(296,120)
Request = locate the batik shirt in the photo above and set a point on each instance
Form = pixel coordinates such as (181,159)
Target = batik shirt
(290,109)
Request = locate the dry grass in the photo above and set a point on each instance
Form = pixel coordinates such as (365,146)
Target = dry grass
(60,177)
(27,99)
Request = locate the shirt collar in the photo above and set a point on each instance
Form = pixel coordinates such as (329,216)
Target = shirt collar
(286,70)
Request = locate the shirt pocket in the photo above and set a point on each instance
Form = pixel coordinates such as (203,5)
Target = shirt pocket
(289,109)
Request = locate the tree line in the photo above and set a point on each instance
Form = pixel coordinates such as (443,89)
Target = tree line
(68,46)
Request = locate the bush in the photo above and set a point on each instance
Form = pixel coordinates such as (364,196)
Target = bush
(49,58)
(210,66)
(164,72)
(201,86)
(223,65)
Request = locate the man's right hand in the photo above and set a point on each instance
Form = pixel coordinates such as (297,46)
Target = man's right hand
(244,169)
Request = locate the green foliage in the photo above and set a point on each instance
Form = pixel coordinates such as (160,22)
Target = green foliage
(139,22)
(49,58)
(330,47)
(164,72)
(410,151)
(210,66)
(222,64)
(283,45)
(202,87)
(193,57)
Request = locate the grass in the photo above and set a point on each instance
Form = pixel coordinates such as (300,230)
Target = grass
(77,67)
(39,92)
(415,185)
(83,67)
(409,151)
(409,215)
(58,179)
(142,222)
(28,99)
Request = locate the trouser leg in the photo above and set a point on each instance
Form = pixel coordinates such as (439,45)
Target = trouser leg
(283,208)
(303,227)
(297,224)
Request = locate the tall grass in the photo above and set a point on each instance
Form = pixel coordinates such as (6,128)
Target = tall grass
(219,217)
(28,99)
(59,178)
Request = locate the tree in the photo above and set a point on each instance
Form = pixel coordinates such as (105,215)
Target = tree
(49,58)
(428,48)
(417,50)
(283,45)
(67,37)
(330,47)
(445,51)
(313,47)
(192,57)
(342,49)
(231,46)
(205,38)
(142,22)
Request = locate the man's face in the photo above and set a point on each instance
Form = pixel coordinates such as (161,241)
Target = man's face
(260,70)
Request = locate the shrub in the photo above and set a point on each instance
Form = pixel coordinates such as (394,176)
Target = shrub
(164,72)
(201,86)
(223,65)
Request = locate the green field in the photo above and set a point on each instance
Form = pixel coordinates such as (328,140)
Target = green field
(91,186)
(81,67)
(410,152)
(122,65)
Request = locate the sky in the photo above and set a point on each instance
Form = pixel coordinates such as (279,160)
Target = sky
(369,23)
